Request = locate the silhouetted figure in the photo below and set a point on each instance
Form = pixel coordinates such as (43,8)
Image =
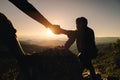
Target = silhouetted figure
(85,40)
(8,37)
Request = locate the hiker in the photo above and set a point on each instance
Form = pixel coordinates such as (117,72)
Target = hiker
(8,36)
(9,39)
(85,41)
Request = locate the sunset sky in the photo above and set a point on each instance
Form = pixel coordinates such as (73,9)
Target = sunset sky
(103,17)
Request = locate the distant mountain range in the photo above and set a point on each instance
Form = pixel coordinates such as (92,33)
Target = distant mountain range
(44,43)
(100,40)
(53,43)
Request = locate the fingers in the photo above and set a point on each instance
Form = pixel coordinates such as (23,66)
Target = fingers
(56,29)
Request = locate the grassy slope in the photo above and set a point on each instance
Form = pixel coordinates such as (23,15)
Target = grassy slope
(105,62)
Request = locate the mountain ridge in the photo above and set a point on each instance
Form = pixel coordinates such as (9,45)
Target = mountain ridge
(53,43)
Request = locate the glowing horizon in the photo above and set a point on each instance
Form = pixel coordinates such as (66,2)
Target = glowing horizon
(103,17)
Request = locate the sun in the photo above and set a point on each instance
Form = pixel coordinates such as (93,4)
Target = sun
(49,32)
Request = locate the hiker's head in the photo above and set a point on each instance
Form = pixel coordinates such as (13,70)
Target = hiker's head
(81,22)
(2,17)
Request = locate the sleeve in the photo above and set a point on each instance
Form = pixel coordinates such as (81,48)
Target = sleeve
(31,11)
(93,36)
(71,39)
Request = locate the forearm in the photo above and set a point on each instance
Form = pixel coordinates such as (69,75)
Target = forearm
(63,31)
(31,11)
(69,42)
(67,32)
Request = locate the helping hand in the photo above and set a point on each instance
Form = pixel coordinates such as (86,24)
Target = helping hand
(56,29)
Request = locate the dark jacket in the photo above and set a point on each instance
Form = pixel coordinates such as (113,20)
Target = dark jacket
(85,41)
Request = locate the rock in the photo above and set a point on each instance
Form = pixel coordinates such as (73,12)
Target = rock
(54,64)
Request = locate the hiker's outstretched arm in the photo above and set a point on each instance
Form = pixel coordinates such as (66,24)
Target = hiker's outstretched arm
(69,42)
(71,34)
(71,39)
(31,11)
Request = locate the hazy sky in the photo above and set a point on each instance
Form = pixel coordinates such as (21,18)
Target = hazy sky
(103,16)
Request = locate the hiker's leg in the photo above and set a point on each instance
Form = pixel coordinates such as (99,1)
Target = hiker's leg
(91,68)
(82,68)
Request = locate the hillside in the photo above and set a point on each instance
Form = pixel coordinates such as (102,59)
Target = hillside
(53,60)
(51,64)
(105,63)
(108,62)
